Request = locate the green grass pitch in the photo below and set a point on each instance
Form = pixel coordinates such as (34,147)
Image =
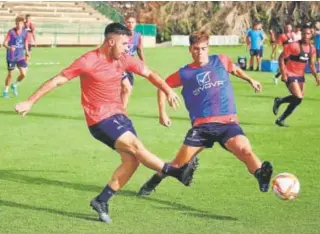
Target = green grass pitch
(50,166)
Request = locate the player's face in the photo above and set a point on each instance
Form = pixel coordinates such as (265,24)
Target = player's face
(120,46)
(131,23)
(306,35)
(288,28)
(19,24)
(199,52)
(28,19)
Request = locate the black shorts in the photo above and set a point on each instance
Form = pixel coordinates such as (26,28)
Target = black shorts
(205,135)
(128,75)
(255,52)
(298,79)
(110,129)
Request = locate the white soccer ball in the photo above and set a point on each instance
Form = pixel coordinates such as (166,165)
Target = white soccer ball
(286,186)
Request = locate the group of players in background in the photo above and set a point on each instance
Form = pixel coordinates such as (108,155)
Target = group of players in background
(297,51)
(106,83)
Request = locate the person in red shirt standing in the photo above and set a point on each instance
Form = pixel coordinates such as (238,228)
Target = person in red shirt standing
(100,78)
(29,26)
(297,55)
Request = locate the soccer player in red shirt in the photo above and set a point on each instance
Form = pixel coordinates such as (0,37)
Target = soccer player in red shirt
(297,55)
(29,26)
(209,99)
(100,78)
(135,46)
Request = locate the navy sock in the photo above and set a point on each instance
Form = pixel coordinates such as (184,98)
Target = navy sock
(287,99)
(155,180)
(171,171)
(277,75)
(291,107)
(106,194)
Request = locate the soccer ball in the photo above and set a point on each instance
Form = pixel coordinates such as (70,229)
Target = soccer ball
(286,186)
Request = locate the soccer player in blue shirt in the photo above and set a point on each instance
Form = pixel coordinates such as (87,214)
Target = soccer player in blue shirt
(317,42)
(209,99)
(255,38)
(135,46)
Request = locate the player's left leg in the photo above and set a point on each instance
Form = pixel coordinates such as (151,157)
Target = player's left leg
(119,178)
(258,57)
(22,67)
(240,146)
(252,55)
(126,88)
(28,56)
(185,155)
(273,53)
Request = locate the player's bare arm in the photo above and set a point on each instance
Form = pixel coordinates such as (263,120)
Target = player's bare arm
(282,67)
(313,69)
(163,116)
(23,108)
(141,54)
(156,80)
(238,72)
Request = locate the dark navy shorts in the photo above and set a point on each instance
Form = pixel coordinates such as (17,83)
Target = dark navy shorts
(255,52)
(298,79)
(318,53)
(110,129)
(21,63)
(128,75)
(205,135)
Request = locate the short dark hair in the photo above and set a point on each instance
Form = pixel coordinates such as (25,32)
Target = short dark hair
(28,15)
(117,28)
(198,36)
(307,25)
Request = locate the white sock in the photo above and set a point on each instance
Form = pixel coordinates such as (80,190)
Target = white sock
(15,84)
(6,89)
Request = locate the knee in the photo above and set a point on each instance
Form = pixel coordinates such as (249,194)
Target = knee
(135,147)
(246,152)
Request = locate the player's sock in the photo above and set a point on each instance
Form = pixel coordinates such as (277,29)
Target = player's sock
(251,68)
(277,75)
(6,89)
(155,180)
(15,84)
(171,171)
(106,194)
(291,107)
(287,99)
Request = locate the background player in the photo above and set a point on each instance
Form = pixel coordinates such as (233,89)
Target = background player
(16,42)
(29,26)
(100,77)
(297,55)
(209,99)
(273,43)
(255,38)
(135,46)
(284,39)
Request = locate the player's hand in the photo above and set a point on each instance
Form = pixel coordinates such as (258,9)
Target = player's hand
(256,86)
(173,100)
(284,78)
(165,120)
(12,48)
(23,108)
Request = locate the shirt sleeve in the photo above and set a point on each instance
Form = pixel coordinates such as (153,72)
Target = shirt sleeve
(134,65)
(174,80)
(227,62)
(75,69)
(280,39)
(287,50)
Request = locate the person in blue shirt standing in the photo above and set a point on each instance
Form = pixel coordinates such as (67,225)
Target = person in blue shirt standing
(255,38)
(317,42)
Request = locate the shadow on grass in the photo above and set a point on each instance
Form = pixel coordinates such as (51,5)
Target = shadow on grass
(16,176)
(48,210)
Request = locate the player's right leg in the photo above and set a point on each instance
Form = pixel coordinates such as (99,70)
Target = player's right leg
(10,68)
(186,154)
(251,60)
(119,178)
